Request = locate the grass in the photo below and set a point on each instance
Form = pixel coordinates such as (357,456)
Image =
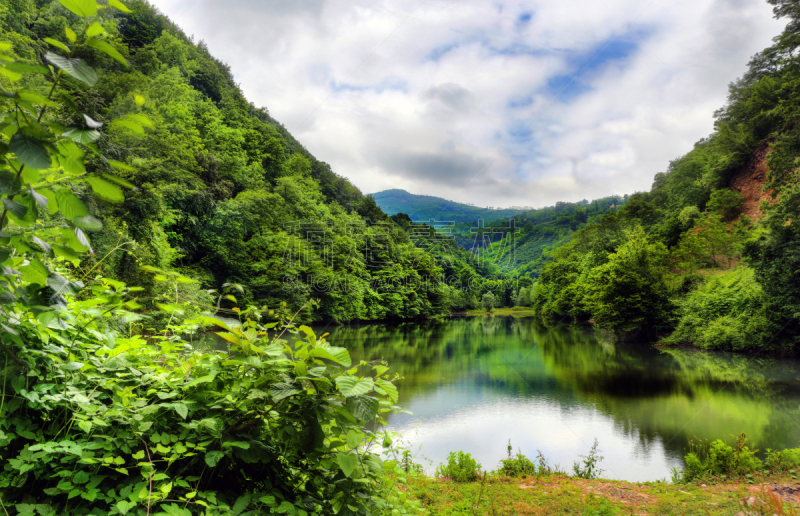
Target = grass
(558,494)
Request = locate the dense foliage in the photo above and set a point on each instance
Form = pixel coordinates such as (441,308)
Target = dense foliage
(97,417)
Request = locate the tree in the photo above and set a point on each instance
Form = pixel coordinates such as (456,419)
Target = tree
(628,294)
(727,202)
(776,259)
(488,301)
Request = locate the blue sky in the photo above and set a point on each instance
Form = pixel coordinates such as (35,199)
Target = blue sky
(513,103)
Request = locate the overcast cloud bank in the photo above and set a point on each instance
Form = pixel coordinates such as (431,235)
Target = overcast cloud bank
(512,103)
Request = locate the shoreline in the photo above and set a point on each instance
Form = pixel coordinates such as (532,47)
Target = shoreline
(557,494)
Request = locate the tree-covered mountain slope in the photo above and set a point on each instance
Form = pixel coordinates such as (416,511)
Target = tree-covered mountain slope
(427,207)
(709,256)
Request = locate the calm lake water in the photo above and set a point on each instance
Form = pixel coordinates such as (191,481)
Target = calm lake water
(473,383)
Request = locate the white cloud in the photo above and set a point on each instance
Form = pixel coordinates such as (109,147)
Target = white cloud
(456,99)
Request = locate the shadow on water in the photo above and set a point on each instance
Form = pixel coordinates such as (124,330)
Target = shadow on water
(474,382)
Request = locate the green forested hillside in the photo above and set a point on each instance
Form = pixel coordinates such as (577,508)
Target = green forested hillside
(535,232)
(681,262)
(426,207)
(220,187)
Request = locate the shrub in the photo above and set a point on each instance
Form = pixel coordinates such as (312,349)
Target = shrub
(717,459)
(460,467)
(782,460)
(517,465)
(726,312)
(588,467)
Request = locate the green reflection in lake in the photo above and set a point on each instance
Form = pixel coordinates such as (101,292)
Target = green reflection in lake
(472,383)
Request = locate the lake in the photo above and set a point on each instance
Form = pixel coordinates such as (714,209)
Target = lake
(474,383)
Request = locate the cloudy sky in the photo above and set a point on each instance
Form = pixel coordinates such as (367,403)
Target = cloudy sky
(494,103)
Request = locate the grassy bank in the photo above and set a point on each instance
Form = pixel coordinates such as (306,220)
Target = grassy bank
(557,494)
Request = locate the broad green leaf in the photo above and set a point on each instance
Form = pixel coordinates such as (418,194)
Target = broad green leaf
(75,67)
(57,44)
(71,165)
(390,389)
(17,210)
(355,438)
(364,408)
(140,119)
(348,462)
(36,98)
(230,337)
(86,426)
(30,175)
(84,136)
(379,370)
(42,246)
(81,477)
(121,166)
(181,409)
(119,5)
(279,391)
(9,74)
(352,386)
(107,48)
(139,99)
(128,124)
(120,181)
(69,204)
(71,36)
(213,457)
(27,68)
(30,151)
(170,307)
(105,190)
(95,29)
(88,223)
(203,379)
(69,148)
(81,238)
(241,504)
(71,366)
(237,444)
(35,272)
(124,506)
(67,254)
(41,200)
(83,8)
(75,241)
(219,321)
(339,355)
(9,183)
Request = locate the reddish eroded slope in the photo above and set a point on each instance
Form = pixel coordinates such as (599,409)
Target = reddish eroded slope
(749,181)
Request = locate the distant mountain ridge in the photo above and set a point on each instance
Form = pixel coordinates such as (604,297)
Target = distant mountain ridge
(426,207)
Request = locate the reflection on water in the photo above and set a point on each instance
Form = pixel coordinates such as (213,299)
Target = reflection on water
(473,383)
